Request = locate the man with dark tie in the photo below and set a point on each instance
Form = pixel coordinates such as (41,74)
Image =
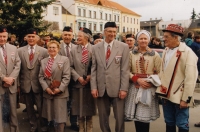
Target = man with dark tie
(31,55)
(110,77)
(65,49)
(10,67)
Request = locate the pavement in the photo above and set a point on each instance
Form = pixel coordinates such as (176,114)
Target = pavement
(155,126)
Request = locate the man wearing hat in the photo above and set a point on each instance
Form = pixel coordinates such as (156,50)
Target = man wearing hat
(65,50)
(81,60)
(130,41)
(10,67)
(97,39)
(31,56)
(178,76)
(110,77)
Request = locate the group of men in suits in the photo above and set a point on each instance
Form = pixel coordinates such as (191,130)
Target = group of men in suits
(109,76)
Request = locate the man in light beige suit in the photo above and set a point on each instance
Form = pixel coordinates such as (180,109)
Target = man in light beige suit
(65,50)
(29,82)
(10,67)
(110,77)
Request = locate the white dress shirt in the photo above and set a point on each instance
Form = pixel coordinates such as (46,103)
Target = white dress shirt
(29,49)
(106,45)
(168,55)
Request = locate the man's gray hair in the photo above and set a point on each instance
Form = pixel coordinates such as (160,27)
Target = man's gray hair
(175,35)
(87,35)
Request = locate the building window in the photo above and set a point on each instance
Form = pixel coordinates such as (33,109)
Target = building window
(71,25)
(134,20)
(55,10)
(106,16)
(198,25)
(134,30)
(90,26)
(64,24)
(101,15)
(131,30)
(79,12)
(95,14)
(84,13)
(109,17)
(127,19)
(95,27)
(124,18)
(115,18)
(84,25)
(123,29)
(79,25)
(163,26)
(118,18)
(118,28)
(137,30)
(127,29)
(101,27)
(131,20)
(90,14)
(137,21)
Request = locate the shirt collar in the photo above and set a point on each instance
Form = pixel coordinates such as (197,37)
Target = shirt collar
(106,44)
(54,57)
(65,45)
(29,47)
(85,45)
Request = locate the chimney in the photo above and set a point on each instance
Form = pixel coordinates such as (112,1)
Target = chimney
(171,19)
(156,18)
(150,19)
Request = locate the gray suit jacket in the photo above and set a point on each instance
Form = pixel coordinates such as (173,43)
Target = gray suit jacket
(12,69)
(60,72)
(79,69)
(62,49)
(113,77)
(29,74)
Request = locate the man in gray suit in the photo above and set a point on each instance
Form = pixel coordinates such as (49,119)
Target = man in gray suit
(110,77)
(30,56)
(10,67)
(65,49)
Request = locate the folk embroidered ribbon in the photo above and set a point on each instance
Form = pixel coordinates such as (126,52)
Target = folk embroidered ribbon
(108,54)
(4,54)
(31,56)
(84,55)
(48,68)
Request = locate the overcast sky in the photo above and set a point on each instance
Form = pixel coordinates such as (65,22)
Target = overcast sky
(167,9)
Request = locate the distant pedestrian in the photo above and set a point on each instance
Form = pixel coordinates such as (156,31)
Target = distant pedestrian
(178,76)
(189,39)
(130,41)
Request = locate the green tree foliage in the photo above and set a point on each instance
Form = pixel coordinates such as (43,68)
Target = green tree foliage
(20,15)
(194,15)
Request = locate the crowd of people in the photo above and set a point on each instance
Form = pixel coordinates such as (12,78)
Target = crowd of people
(66,80)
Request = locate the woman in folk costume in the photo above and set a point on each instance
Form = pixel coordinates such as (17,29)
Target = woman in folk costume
(54,78)
(144,62)
(83,103)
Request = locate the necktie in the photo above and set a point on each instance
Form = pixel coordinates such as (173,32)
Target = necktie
(108,54)
(48,68)
(84,55)
(31,56)
(4,54)
(67,51)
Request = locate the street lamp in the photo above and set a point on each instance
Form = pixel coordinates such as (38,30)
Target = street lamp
(150,27)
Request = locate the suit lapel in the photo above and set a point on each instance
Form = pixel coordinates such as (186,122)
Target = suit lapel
(62,49)
(102,53)
(114,51)
(1,58)
(36,54)
(26,56)
(55,64)
(79,52)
